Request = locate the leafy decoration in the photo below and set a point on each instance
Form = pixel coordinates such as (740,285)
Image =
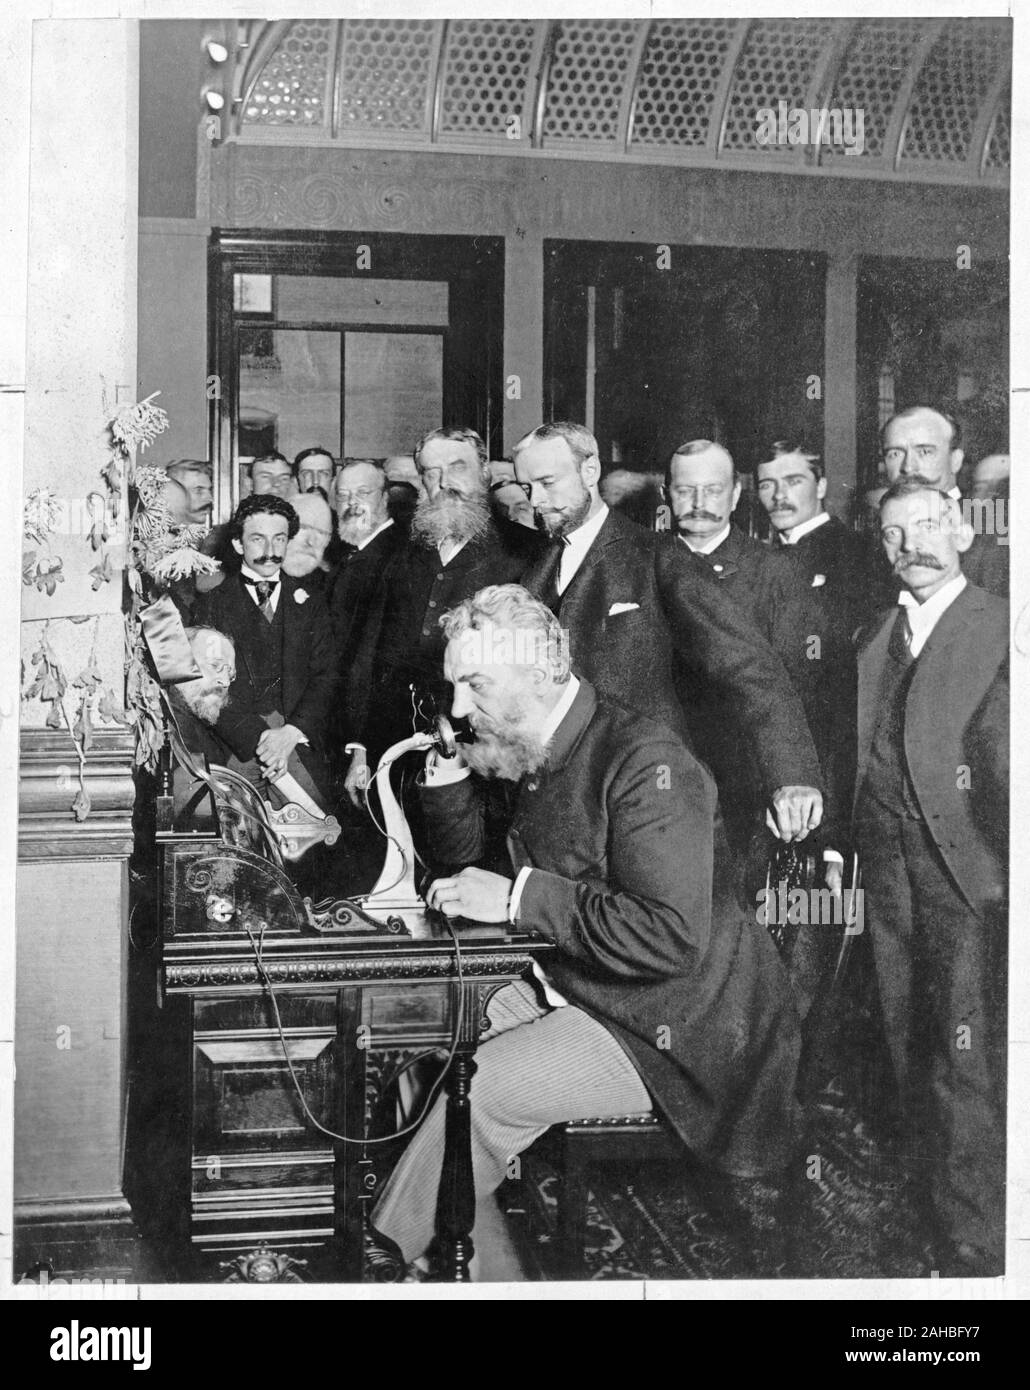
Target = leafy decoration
(41,515)
(136,426)
(49,573)
(101,572)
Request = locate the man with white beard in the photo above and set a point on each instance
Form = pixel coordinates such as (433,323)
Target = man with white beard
(368,538)
(196,705)
(662,991)
(456,547)
(304,558)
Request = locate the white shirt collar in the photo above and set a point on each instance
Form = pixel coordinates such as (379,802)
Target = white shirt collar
(577,543)
(448,550)
(273,579)
(803,528)
(381,527)
(924,617)
(712,543)
(561,709)
(955,493)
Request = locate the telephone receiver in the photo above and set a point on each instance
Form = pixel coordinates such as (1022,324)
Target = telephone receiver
(450,732)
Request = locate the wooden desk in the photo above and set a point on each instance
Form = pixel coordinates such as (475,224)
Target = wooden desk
(260,1174)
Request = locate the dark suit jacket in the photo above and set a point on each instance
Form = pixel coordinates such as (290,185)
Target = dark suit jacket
(760,582)
(403,644)
(308,667)
(986,563)
(758,578)
(629,882)
(194,804)
(351,588)
(956,717)
(814,633)
(679,615)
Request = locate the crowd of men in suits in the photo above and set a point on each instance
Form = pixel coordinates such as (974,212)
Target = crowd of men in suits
(688,695)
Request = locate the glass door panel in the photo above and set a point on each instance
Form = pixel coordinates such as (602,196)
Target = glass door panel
(289,391)
(393,391)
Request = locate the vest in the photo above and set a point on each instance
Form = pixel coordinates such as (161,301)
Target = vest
(887,781)
(265,661)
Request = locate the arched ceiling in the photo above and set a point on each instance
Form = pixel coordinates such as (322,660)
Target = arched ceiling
(934,94)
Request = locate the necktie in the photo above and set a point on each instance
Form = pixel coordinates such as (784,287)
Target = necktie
(549,585)
(264,588)
(264,593)
(901,638)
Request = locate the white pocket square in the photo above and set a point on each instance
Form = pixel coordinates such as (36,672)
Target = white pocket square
(617,608)
(818,580)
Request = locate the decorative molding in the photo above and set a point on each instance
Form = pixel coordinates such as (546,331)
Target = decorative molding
(278,186)
(75,1237)
(72,1211)
(190,976)
(47,783)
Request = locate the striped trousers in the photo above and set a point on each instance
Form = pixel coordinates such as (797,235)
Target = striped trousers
(536,1067)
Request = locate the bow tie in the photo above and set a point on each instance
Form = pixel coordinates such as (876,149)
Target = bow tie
(255,583)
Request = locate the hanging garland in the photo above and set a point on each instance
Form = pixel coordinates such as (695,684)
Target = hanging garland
(159,551)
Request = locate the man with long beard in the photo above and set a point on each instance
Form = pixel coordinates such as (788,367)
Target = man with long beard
(662,991)
(456,547)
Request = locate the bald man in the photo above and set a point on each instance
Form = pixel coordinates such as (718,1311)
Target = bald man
(369,537)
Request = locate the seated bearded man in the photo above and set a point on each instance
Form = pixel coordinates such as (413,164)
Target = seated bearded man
(196,705)
(662,992)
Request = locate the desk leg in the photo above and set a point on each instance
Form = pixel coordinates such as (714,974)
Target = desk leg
(456,1201)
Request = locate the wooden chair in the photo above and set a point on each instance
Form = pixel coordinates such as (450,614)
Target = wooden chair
(816,971)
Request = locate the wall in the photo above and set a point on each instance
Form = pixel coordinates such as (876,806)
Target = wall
(78,322)
(172,332)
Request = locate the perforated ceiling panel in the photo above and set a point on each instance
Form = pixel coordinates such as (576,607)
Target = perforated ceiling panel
(486,75)
(950,90)
(587,77)
(776,65)
(679,76)
(998,147)
(291,87)
(691,91)
(384,74)
(871,76)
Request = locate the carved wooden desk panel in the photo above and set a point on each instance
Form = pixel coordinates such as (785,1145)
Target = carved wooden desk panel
(351,1009)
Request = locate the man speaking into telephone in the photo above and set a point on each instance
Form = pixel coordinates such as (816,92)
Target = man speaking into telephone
(595,827)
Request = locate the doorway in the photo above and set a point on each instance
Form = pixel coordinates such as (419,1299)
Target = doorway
(356,343)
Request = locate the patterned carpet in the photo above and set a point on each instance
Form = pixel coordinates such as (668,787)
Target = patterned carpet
(848,1217)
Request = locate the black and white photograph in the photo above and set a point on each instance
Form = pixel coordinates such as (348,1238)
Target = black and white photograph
(506,715)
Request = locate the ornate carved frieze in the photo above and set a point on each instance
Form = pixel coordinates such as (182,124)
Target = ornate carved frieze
(274,193)
(389,190)
(183,977)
